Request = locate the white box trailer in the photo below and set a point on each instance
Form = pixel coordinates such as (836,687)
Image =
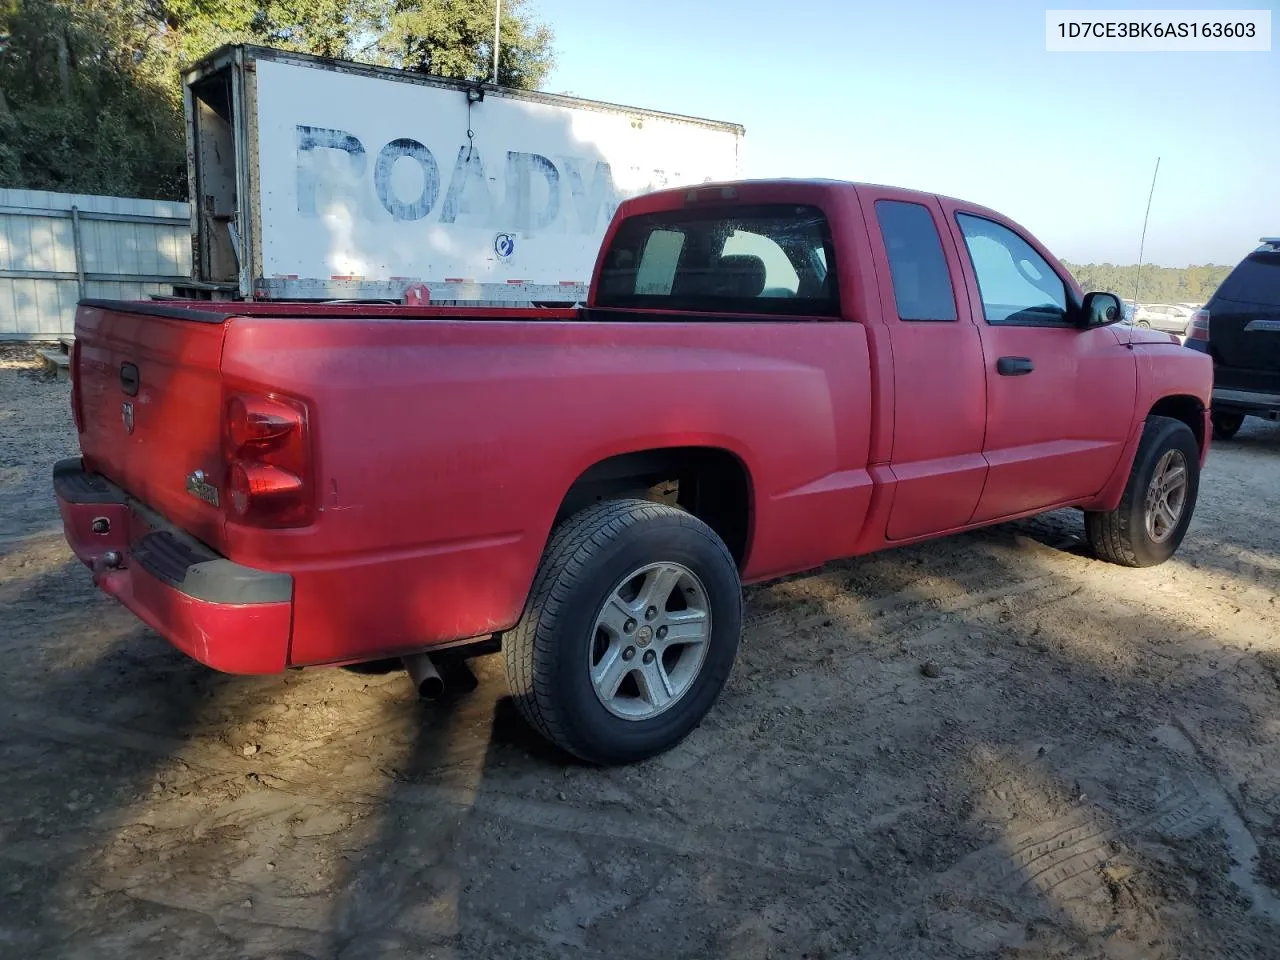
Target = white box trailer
(319,179)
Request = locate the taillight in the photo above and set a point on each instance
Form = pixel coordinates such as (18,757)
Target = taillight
(1198,328)
(259,423)
(268,461)
(76,414)
(263,487)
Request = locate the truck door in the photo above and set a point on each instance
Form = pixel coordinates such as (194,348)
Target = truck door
(938,382)
(1059,399)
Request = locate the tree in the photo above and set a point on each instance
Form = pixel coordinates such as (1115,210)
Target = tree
(454,38)
(91,94)
(90,105)
(327,28)
(1194,284)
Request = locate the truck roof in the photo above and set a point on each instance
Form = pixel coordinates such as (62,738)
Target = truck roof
(767,185)
(228,53)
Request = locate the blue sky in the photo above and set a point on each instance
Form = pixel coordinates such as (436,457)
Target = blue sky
(961,99)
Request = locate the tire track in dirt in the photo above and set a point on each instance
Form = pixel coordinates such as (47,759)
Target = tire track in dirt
(1056,860)
(1061,862)
(779,854)
(785,855)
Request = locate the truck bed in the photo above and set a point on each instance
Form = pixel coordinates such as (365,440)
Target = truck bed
(216,311)
(442,441)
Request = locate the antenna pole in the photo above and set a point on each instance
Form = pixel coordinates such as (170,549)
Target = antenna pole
(1137,281)
(497,39)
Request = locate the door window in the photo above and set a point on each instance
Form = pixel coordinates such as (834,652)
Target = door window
(1017,285)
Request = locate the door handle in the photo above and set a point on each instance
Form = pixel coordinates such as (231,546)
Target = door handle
(1014,366)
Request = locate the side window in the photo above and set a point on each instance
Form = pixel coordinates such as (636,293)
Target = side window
(921,280)
(1017,285)
(657,270)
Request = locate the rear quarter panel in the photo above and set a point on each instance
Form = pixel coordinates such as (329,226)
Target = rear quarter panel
(443,451)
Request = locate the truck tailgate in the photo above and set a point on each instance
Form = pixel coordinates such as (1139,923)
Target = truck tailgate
(150,398)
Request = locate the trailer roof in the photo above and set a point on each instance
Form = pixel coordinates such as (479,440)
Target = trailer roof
(227,54)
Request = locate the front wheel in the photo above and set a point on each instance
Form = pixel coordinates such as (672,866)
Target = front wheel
(629,634)
(1158,500)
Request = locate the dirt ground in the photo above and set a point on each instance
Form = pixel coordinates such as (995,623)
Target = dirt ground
(1093,772)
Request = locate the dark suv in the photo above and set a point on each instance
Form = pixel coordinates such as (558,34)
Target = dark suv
(1240,328)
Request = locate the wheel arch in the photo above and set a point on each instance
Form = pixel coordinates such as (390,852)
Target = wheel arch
(1185,408)
(713,483)
(1180,406)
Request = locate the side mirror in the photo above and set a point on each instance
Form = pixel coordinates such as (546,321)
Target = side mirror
(1100,310)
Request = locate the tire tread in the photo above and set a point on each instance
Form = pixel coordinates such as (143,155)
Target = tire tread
(1110,534)
(569,555)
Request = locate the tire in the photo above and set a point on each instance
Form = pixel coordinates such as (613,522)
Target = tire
(1226,425)
(1144,324)
(1124,536)
(593,559)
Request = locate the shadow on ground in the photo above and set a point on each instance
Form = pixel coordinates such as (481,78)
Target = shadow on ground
(1091,773)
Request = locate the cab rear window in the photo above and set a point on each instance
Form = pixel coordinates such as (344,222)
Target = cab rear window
(772,259)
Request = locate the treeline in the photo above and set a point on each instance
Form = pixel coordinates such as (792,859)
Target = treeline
(1156,284)
(91,95)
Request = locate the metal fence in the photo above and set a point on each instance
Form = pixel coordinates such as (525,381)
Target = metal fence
(56,248)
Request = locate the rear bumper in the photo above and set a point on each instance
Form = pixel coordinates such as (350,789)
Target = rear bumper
(1260,404)
(229,617)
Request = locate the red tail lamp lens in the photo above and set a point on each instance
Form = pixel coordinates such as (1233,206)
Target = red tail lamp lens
(259,422)
(268,460)
(1198,328)
(262,488)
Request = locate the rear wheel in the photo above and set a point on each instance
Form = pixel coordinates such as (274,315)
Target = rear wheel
(629,634)
(1226,425)
(1158,500)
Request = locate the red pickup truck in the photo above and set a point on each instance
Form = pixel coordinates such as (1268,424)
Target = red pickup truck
(767,376)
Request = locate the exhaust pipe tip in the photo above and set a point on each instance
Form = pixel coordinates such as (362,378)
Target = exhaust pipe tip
(425,677)
(433,679)
(431,688)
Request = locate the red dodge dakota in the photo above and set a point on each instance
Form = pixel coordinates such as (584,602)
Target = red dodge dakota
(766,376)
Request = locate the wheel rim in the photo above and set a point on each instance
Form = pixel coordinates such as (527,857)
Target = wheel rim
(1166,496)
(650,641)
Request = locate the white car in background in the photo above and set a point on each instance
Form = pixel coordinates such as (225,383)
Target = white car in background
(1169,317)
